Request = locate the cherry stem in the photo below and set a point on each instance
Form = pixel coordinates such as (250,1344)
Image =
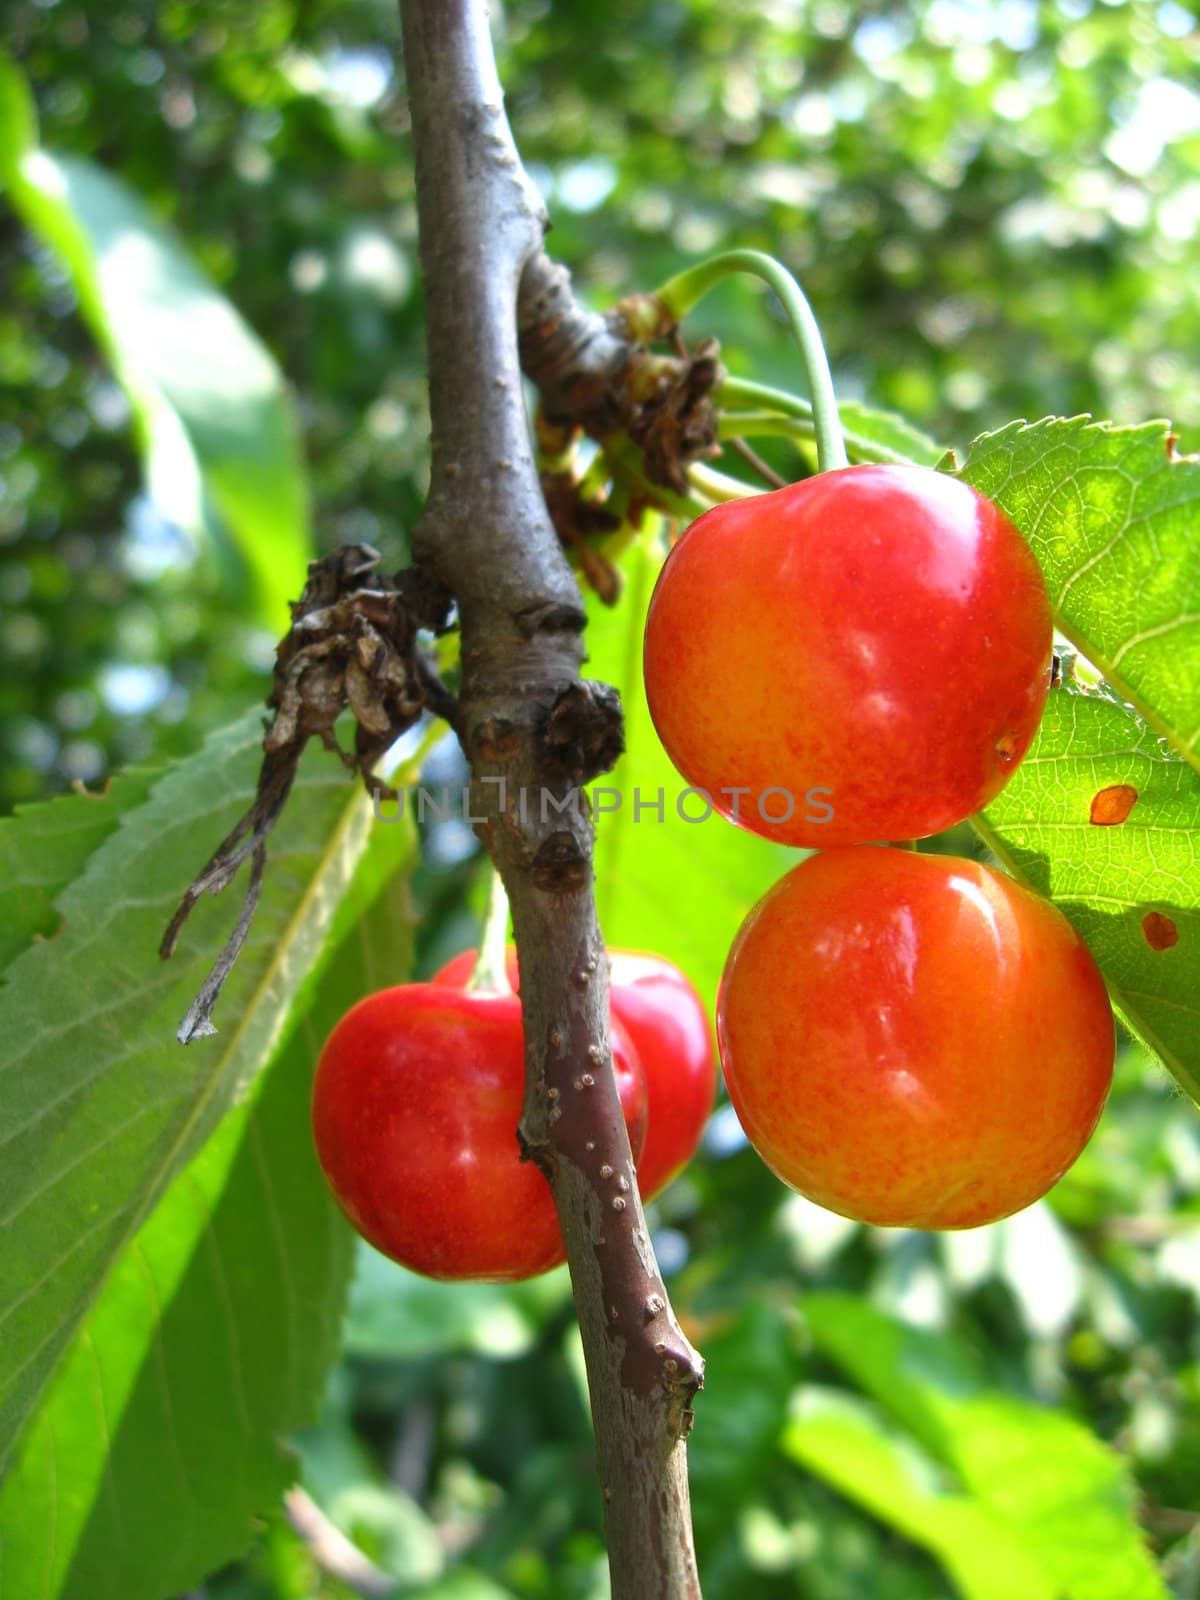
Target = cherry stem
(681,293)
(775,414)
(489,975)
(736,424)
(719,486)
(746,392)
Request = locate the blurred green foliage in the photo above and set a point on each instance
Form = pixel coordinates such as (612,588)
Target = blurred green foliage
(994,210)
(468,1403)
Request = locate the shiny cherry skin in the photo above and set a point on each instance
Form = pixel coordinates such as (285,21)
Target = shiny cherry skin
(865,655)
(913,1040)
(416,1101)
(666,1020)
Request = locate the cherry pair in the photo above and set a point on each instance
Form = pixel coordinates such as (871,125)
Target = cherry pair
(417,1097)
(906,1039)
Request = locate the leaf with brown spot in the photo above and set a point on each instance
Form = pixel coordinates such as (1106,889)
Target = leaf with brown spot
(1112,805)
(1161,932)
(1091,752)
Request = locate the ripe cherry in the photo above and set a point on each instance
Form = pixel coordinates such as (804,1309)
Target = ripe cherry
(913,1040)
(666,1020)
(860,656)
(416,1101)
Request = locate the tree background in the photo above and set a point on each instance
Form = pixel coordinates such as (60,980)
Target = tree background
(994,210)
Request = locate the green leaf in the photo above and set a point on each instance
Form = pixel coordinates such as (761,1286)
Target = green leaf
(1113,516)
(1109,879)
(212,1335)
(18,116)
(213,410)
(873,435)
(1059,1502)
(99,1106)
(158,1441)
(43,847)
(397,1316)
(681,888)
(846,1442)
(462,1584)
(752,1364)
(870,434)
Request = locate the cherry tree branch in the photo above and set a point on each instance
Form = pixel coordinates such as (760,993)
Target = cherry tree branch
(535,735)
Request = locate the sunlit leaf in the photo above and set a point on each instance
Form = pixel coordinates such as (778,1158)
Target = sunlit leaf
(1131,886)
(210,1339)
(877,435)
(214,414)
(958,1458)
(845,1441)
(1114,519)
(99,1106)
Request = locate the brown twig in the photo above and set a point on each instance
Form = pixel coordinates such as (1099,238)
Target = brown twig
(534,735)
(753,460)
(597,373)
(332,1551)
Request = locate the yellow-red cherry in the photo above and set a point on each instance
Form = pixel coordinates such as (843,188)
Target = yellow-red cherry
(860,656)
(416,1100)
(913,1040)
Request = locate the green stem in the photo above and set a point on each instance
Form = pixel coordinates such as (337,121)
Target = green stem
(762,425)
(790,418)
(744,391)
(720,486)
(490,973)
(680,294)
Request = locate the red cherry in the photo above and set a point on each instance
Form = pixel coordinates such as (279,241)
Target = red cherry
(416,1100)
(666,1020)
(458,969)
(913,1040)
(865,655)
